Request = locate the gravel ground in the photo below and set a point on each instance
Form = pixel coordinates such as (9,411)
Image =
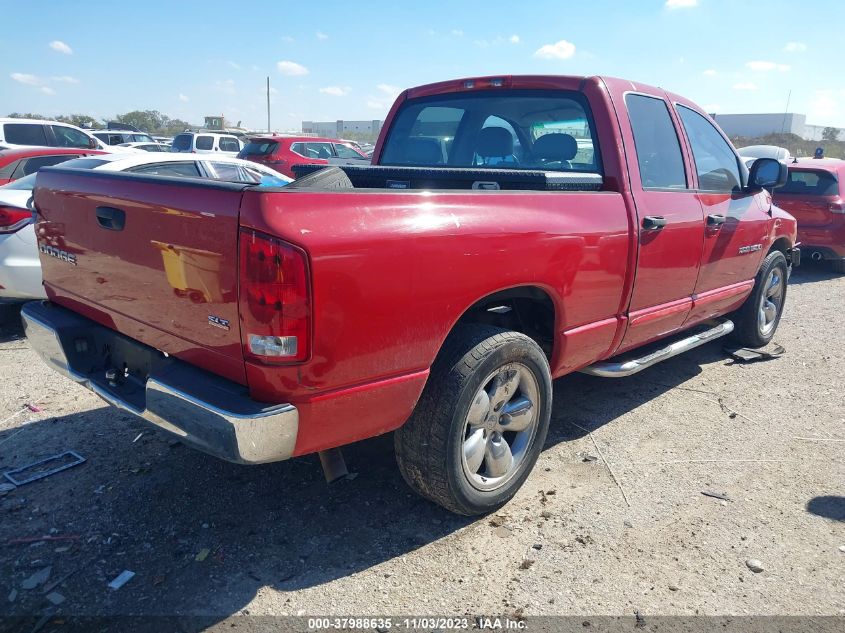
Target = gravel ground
(214,539)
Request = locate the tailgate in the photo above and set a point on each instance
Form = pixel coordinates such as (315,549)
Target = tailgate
(151,257)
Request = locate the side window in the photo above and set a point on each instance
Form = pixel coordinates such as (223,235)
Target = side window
(68,137)
(182,143)
(25,134)
(318,150)
(229,144)
(37,162)
(299,148)
(205,142)
(345,152)
(228,172)
(658,148)
(174,170)
(716,162)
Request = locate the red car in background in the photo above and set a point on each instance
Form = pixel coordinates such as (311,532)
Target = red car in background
(17,163)
(813,194)
(283,152)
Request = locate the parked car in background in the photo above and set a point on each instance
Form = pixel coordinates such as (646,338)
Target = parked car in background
(206,143)
(751,153)
(283,152)
(815,196)
(166,140)
(147,147)
(20,162)
(25,132)
(20,269)
(431,296)
(121,137)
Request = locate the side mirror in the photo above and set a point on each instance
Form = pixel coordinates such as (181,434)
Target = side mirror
(92,143)
(767,173)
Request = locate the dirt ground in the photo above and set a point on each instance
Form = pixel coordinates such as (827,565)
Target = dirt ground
(209,538)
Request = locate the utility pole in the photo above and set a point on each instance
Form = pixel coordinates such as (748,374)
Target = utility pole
(269,130)
(785,112)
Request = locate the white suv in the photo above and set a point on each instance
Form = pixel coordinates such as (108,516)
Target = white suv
(23,132)
(119,137)
(206,143)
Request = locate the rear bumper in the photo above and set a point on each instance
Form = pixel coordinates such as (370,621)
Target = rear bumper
(203,410)
(829,242)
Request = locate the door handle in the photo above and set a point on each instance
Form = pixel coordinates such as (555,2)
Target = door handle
(653,222)
(111,218)
(714,221)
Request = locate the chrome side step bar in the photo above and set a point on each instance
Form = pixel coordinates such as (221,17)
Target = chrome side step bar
(621,369)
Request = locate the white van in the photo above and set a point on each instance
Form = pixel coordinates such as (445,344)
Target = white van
(23,132)
(206,143)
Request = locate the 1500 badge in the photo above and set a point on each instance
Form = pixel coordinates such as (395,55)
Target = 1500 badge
(750,249)
(58,254)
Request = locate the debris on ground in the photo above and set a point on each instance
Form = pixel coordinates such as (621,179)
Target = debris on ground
(502,532)
(122,578)
(44,468)
(138,437)
(747,355)
(497,520)
(13,595)
(23,540)
(716,495)
(526,563)
(537,546)
(54,597)
(674,588)
(34,408)
(589,458)
(202,555)
(754,565)
(38,578)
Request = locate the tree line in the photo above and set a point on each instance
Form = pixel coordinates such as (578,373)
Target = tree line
(150,121)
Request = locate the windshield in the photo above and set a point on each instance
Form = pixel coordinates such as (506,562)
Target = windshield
(550,130)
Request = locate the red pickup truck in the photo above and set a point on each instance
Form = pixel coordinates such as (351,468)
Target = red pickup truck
(510,231)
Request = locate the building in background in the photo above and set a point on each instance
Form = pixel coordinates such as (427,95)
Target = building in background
(756,125)
(368,130)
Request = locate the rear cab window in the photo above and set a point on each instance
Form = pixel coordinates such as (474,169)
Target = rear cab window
(547,130)
(182,142)
(816,182)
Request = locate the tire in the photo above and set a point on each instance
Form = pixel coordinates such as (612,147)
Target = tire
(489,395)
(837,265)
(754,326)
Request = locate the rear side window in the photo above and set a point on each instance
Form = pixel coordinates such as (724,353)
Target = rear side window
(174,170)
(259,148)
(715,161)
(346,152)
(205,142)
(299,148)
(229,144)
(32,165)
(85,163)
(658,148)
(25,134)
(182,142)
(811,183)
(68,137)
(319,150)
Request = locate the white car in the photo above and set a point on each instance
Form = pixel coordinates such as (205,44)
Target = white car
(25,132)
(206,143)
(121,137)
(20,267)
(146,147)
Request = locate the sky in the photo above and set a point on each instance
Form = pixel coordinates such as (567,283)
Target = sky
(332,60)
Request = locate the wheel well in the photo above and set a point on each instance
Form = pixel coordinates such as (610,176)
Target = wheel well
(781,244)
(526,309)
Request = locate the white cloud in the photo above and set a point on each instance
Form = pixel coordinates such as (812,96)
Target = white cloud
(291,69)
(385,99)
(457,32)
(710,72)
(481,43)
(183,98)
(558,50)
(287,39)
(23,78)
(795,47)
(321,36)
(390,90)
(759,66)
(823,107)
(60,47)
(336,91)
(514,39)
(47,90)
(226,86)
(746,85)
(65,79)
(681,4)
(234,65)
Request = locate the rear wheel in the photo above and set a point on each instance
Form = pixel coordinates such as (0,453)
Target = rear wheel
(481,421)
(758,318)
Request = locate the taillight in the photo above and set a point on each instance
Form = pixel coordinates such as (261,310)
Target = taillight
(837,207)
(13,219)
(274,299)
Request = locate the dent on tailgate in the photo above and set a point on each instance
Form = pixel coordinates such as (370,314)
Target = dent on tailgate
(167,279)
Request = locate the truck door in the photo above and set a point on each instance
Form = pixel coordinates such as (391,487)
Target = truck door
(737,222)
(670,222)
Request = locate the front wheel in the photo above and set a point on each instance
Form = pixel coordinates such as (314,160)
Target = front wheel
(481,421)
(758,318)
